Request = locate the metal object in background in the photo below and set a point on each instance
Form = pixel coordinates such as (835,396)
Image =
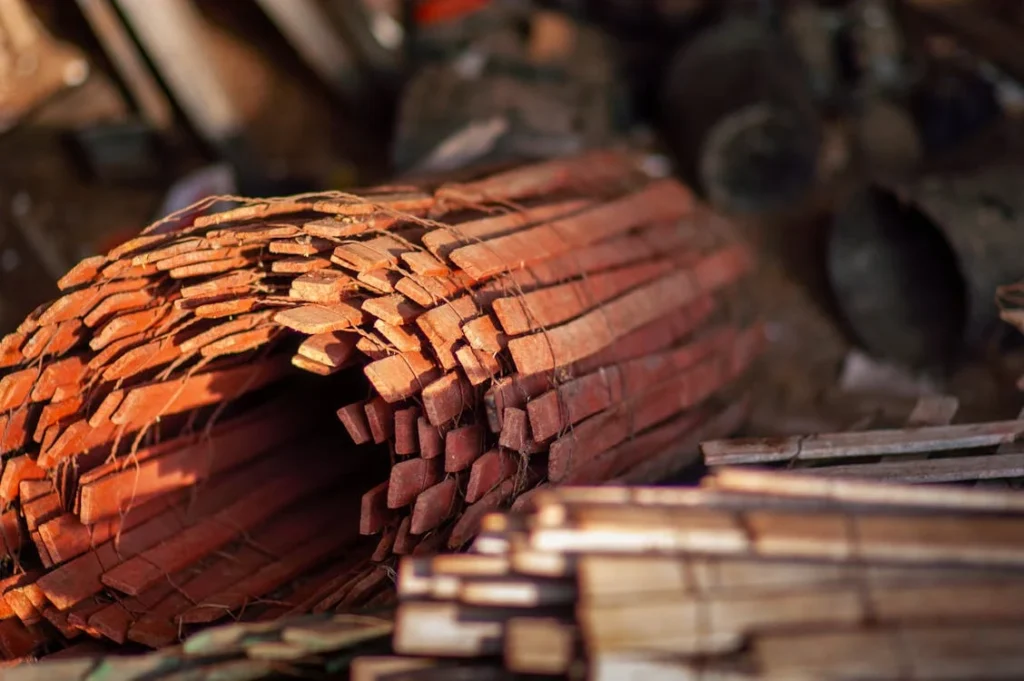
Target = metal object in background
(915,268)
(993,36)
(33,66)
(130,64)
(739,116)
(171,33)
(308,29)
(376,32)
(881,50)
(507,96)
(952,102)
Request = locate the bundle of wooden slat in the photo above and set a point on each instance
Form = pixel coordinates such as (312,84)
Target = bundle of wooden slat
(928,450)
(310,645)
(173,426)
(755,575)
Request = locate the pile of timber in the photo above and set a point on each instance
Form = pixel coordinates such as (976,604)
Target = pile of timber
(308,646)
(928,450)
(755,575)
(212,415)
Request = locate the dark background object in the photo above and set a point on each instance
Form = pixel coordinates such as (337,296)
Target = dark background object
(951,104)
(739,116)
(915,269)
(123,151)
(502,98)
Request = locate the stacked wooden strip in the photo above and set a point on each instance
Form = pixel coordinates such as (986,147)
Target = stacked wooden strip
(755,575)
(309,645)
(174,427)
(928,450)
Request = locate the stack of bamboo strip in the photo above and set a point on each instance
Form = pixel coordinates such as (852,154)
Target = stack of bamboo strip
(173,427)
(928,450)
(756,575)
(309,645)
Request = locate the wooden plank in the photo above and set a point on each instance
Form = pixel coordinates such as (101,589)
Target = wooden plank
(107,496)
(442,242)
(607,429)
(925,653)
(662,200)
(334,348)
(447,397)
(399,377)
(394,309)
(869,443)
(268,497)
(866,492)
(353,417)
(446,629)
(479,367)
(483,335)
(463,446)
(403,339)
(431,438)
(596,169)
(434,505)
(381,252)
(323,286)
(409,478)
(575,400)
(537,645)
(406,431)
(594,331)
(313,319)
(519,314)
(381,420)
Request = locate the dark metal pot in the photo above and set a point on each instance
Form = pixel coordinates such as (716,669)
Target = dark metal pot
(739,116)
(915,268)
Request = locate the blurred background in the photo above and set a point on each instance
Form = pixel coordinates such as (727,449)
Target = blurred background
(870,148)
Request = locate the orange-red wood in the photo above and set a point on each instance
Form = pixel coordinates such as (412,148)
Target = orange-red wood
(406,431)
(447,397)
(401,376)
(662,200)
(434,505)
(597,330)
(462,446)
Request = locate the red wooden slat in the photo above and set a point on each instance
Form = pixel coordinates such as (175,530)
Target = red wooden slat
(333,349)
(595,170)
(313,319)
(447,397)
(381,420)
(409,478)
(15,470)
(433,506)
(406,431)
(302,245)
(323,286)
(662,200)
(462,446)
(403,339)
(353,417)
(399,377)
(374,513)
(575,400)
(431,439)
(489,470)
(597,330)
